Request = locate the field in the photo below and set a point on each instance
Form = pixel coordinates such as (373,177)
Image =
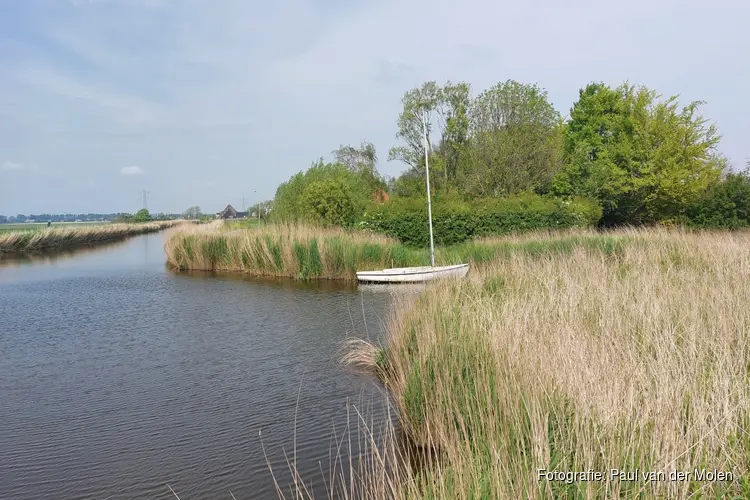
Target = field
(631,354)
(36,226)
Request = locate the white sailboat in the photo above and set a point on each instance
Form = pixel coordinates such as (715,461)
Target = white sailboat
(417,274)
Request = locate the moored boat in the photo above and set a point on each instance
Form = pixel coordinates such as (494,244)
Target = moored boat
(417,274)
(413,274)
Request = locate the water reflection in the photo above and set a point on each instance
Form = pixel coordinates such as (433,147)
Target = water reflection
(118,376)
(51,256)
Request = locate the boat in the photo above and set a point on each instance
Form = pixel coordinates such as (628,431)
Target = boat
(413,274)
(417,274)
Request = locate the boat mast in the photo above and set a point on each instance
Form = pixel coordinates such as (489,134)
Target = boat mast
(429,200)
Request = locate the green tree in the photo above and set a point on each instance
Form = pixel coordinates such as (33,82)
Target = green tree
(726,204)
(294,198)
(417,103)
(516,141)
(453,112)
(123,218)
(448,106)
(328,202)
(142,215)
(361,161)
(643,159)
(192,212)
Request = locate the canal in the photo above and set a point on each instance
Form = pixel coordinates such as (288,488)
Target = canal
(119,376)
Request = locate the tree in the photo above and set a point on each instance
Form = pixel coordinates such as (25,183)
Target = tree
(450,107)
(264,207)
(328,202)
(294,198)
(726,204)
(453,112)
(643,159)
(355,158)
(361,161)
(192,212)
(123,218)
(3,219)
(516,141)
(417,103)
(142,215)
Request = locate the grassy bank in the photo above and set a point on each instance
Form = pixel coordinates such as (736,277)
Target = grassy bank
(310,253)
(52,238)
(631,353)
(38,226)
(285,251)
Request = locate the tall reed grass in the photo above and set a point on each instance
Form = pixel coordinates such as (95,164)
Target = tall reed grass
(631,354)
(22,242)
(285,251)
(309,253)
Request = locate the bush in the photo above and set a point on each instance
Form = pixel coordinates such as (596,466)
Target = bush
(726,205)
(455,221)
(142,216)
(327,194)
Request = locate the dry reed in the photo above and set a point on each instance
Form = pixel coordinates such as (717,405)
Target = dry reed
(14,243)
(285,251)
(630,356)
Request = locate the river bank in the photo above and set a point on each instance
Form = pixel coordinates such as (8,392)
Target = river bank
(15,243)
(301,252)
(632,358)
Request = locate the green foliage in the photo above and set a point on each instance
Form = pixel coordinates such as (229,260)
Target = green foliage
(363,162)
(142,215)
(326,194)
(328,202)
(725,205)
(193,212)
(644,160)
(124,218)
(516,141)
(455,221)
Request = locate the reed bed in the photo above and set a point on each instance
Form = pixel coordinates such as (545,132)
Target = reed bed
(631,354)
(285,251)
(53,238)
(304,252)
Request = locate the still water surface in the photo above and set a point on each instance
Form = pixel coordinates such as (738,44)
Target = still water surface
(118,377)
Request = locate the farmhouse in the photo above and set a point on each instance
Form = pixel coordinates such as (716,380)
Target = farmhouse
(231,213)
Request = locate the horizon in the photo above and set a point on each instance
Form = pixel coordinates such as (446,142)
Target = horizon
(206,104)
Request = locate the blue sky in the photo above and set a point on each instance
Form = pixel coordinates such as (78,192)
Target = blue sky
(204,102)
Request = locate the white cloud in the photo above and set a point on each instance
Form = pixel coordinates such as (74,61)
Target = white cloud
(10,165)
(131,170)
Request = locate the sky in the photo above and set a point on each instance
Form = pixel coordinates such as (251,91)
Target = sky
(206,102)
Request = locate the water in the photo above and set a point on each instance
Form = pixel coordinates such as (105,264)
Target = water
(118,377)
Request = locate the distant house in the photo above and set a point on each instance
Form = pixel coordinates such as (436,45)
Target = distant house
(231,213)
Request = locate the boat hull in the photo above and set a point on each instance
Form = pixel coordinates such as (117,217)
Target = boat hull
(413,274)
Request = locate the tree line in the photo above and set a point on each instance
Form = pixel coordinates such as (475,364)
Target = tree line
(641,158)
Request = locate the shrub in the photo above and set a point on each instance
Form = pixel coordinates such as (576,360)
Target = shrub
(726,205)
(455,221)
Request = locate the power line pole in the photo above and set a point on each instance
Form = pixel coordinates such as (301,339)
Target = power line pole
(144,196)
